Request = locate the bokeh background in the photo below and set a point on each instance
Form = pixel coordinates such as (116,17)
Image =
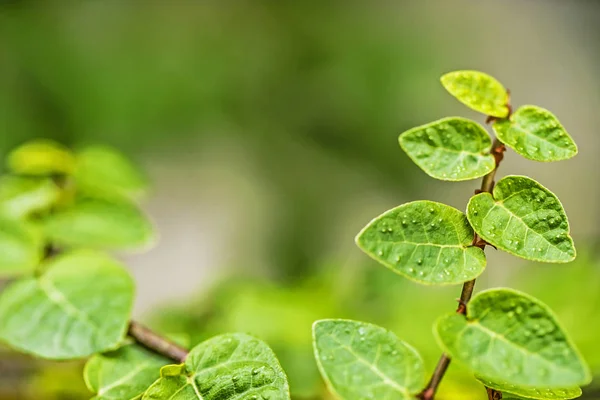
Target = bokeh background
(269,130)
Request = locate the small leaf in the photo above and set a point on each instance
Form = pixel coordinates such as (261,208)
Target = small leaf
(79,306)
(523,218)
(508,336)
(522,392)
(122,374)
(450,149)
(99,223)
(41,157)
(103,171)
(23,196)
(536,134)
(360,360)
(478,91)
(21,247)
(226,367)
(424,241)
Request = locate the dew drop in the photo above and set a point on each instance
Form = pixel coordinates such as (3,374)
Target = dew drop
(431,210)
(420,261)
(235,378)
(380,252)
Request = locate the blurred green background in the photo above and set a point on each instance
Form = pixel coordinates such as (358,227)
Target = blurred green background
(269,129)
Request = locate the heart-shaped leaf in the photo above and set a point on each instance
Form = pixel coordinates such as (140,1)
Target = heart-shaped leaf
(41,157)
(20,247)
(65,313)
(523,218)
(536,134)
(510,390)
(22,196)
(123,374)
(226,367)
(508,336)
(99,223)
(450,149)
(103,171)
(425,241)
(364,361)
(478,91)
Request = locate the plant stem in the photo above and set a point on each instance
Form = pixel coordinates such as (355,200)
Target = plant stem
(487,185)
(156,343)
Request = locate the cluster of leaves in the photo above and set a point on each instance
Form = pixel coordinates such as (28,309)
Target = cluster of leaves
(61,213)
(511,341)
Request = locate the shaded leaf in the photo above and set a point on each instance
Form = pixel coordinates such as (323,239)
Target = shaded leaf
(508,336)
(536,134)
(99,223)
(103,171)
(425,241)
(22,196)
(226,367)
(41,157)
(523,218)
(510,390)
(450,149)
(65,313)
(21,247)
(478,91)
(123,374)
(360,360)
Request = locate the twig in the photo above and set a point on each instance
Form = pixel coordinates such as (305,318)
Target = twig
(155,343)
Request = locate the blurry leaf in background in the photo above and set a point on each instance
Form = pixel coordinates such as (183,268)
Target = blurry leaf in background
(22,196)
(41,157)
(479,91)
(21,247)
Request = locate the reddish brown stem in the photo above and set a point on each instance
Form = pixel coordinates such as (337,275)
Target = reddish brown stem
(156,343)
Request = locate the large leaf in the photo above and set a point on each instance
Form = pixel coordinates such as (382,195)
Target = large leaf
(123,374)
(364,361)
(424,241)
(536,134)
(478,91)
(99,223)
(22,196)
(524,392)
(523,218)
(20,247)
(41,157)
(79,306)
(226,367)
(103,171)
(451,149)
(508,336)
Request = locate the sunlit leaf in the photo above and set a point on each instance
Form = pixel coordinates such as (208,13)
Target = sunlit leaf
(226,367)
(41,157)
(451,149)
(22,196)
(478,91)
(510,390)
(364,361)
(508,336)
(99,223)
(65,313)
(123,374)
(523,218)
(103,171)
(424,241)
(536,134)
(21,247)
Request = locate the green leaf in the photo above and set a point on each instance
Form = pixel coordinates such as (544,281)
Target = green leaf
(226,367)
(478,91)
(79,306)
(364,361)
(103,171)
(508,336)
(21,247)
(523,218)
(41,157)
(510,390)
(99,223)
(123,374)
(536,134)
(424,241)
(23,196)
(450,149)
